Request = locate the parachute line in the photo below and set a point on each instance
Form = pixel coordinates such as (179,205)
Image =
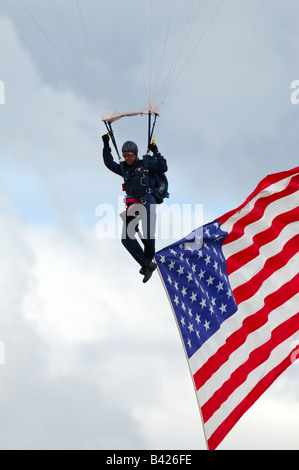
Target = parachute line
(170,15)
(174,73)
(151,48)
(91,56)
(164,71)
(56,50)
(75,51)
(136,42)
(171,85)
(165,41)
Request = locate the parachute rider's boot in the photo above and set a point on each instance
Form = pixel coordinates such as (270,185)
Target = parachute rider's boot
(148,271)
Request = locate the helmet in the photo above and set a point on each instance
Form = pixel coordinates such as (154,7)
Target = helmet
(130,146)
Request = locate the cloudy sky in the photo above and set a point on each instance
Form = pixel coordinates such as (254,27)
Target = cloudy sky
(93,359)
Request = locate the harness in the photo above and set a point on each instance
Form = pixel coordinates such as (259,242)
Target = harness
(144,181)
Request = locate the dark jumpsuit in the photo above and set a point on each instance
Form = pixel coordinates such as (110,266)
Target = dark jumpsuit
(137,189)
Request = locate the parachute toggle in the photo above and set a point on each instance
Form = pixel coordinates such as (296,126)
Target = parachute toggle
(150,109)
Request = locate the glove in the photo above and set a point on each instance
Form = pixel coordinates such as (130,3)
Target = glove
(106,139)
(153,148)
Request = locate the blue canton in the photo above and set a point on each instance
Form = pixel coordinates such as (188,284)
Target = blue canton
(195,276)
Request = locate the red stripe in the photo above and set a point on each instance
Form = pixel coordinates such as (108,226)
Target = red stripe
(250,324)
(266,182)
(243,257)
(258,210)
(256,358)
(227,425)
(247,290)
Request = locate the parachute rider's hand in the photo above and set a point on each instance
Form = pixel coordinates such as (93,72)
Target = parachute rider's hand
(153,148)
(106,139)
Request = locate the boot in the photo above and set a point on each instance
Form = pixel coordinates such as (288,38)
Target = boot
(148,271)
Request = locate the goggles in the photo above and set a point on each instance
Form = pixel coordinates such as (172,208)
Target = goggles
(128,155)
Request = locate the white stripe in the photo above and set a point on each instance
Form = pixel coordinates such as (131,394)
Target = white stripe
(268,286)
(273,188)
(253,341)
(273,210)
(276,357)
(247,271)
(247,308)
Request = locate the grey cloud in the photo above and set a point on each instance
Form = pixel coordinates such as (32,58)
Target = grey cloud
(226,124)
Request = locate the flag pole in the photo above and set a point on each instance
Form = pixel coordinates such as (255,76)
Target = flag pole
(176,321)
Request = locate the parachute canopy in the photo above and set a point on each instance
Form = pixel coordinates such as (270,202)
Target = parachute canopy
(160,37)
(150,109)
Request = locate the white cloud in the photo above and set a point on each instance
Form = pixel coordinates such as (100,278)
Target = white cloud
(93,357)
(100,336)
(271,423)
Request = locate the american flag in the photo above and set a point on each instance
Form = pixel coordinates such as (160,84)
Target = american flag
(234,289)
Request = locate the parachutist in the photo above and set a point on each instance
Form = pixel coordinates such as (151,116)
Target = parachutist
(145,185)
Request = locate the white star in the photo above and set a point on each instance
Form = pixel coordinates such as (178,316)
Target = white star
(171,265)
(229,293)
(162,259)
(198,240)
(197,319)
(183,306)
(215,265)
(223,308)
(189,277)
(180,271)
(211,309)
(176,285)
(208,260)
(169,280)
(193,297)
(201,274)
(190,312)
(183,321)
(207,325)
(172,251)
(210,280)
(207,232)
(184,291)
(188,247)
(189,343)
(220,286)
(213,301)
(203,303)
(190,327)
(176,300)
(200,255)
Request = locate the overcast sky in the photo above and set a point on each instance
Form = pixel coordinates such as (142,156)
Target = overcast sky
(93,359)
